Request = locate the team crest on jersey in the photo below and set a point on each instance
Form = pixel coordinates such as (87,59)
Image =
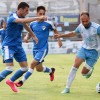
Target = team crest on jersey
(43,27)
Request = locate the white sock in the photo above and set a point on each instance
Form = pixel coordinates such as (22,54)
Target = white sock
(29,71)
(23,79)
(71,77)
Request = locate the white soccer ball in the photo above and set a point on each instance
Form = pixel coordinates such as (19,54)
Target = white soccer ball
(98,87)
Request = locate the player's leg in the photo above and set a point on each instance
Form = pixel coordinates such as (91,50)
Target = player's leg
(20,57)
(27,74)
(41,55)
(91,59)
(8,54)
(30,70)
(8,58)
(20,72)
(78,61)
(38,59)
(41,68)
(72,74)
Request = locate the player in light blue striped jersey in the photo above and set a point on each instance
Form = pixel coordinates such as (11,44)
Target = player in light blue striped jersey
(89,52)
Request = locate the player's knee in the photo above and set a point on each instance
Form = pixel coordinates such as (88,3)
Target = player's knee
(11,68)
(34,64)
(24,69)
(39,69)
(85,69)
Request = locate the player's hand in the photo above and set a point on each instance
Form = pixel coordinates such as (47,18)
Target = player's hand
(59,42)
(25,40)
(42,18)
(56,35)
(35,39)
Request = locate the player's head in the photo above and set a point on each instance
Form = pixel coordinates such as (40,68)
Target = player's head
(41,10)
(3,23)
(23,9)
(85,19)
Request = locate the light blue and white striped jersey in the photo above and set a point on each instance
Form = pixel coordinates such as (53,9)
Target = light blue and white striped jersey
(13,31)
(41,30)
(91,36)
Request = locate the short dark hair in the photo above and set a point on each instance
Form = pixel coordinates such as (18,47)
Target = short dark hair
(22,5)
(85,13)
(40,7)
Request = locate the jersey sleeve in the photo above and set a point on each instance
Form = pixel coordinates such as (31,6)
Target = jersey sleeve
(12,17)
(98,30)
(77,30)
(52,27)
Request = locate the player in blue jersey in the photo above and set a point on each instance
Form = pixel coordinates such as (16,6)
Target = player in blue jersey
(40,50)
(89,51)
(12,43)
(3,30)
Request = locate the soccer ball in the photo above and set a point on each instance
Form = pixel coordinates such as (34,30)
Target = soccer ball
(98,87)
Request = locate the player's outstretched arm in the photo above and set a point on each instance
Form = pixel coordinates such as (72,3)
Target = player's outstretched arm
(28,20)
(31,33)
(59,41)
(71,34)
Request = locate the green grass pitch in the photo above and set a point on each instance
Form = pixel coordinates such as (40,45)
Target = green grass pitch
(39,87)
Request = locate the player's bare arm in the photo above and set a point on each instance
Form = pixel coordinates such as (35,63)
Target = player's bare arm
(27,37)
(31,33)
(71,34)
(59,41)
(28,20)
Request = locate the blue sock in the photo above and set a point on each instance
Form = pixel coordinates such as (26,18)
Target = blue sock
(4,73)
(47,70)
(27,75)
(17,74)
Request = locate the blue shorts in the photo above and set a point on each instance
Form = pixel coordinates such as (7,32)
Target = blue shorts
(10,52)
(39,55)
(90,56)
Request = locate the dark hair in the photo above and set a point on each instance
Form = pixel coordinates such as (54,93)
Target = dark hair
(40,7)
(1,22)
(85,13)
(22,5)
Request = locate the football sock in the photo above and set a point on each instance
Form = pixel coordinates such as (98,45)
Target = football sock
(46,69)
(71,77)
(18,74)
(5,73)
(27,74)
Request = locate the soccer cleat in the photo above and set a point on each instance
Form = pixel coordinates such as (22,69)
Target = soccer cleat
(19,84)
(87,76)
(12,85)
(52,74)
(66,90)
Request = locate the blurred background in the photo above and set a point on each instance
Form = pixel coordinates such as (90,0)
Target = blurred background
(64,13)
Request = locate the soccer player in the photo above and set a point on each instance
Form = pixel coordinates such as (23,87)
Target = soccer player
(89,52)
(41,29)
(12,43)
(3,30)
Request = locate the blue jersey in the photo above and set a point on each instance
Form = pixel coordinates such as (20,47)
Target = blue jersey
(41,30)
(13,31)
(2,34)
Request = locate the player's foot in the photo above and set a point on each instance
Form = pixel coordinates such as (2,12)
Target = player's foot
(12,85)
(66,90)
(87,76)
(19,84)
(52,74)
